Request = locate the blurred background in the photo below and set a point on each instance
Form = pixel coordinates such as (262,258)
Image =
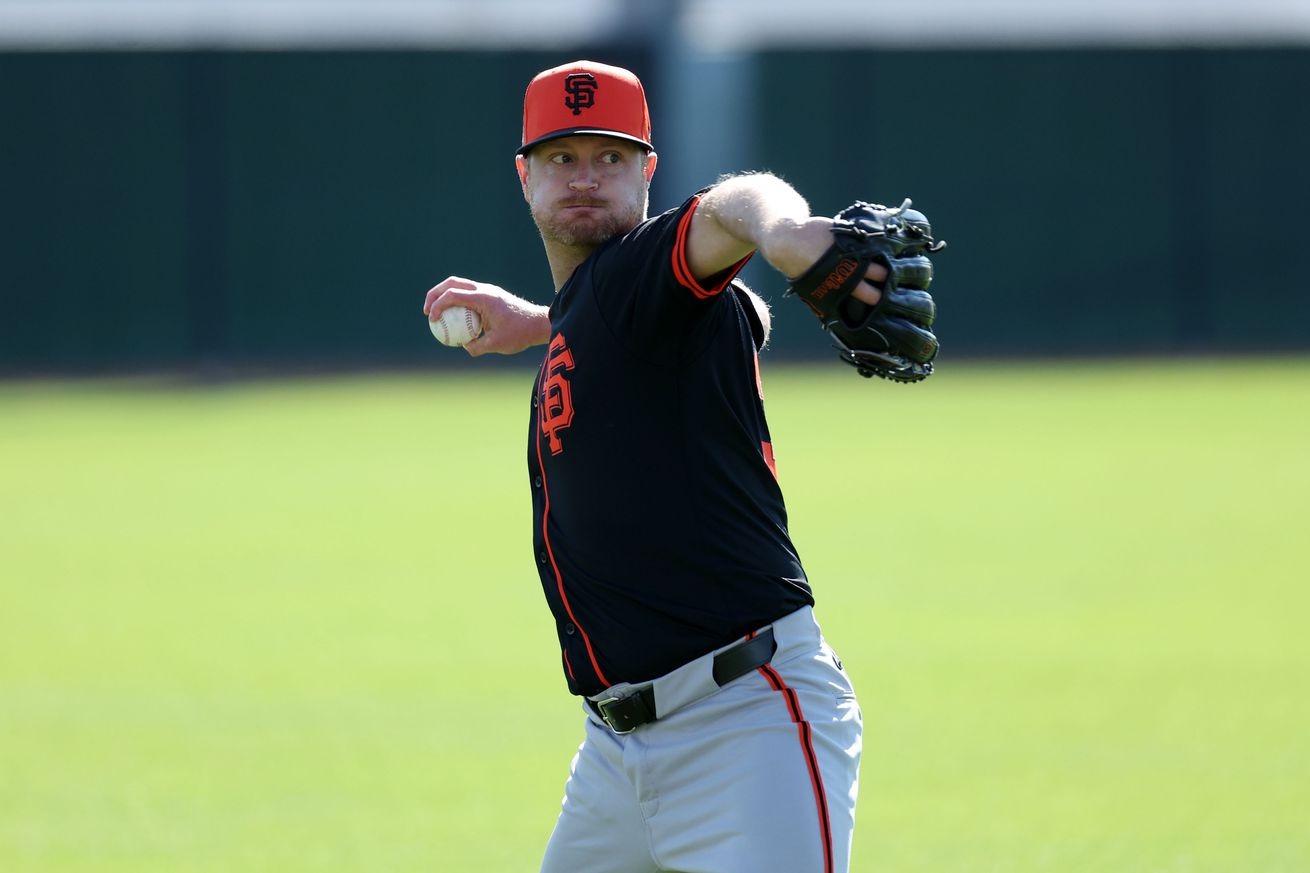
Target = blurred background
(274,183)
(267,597)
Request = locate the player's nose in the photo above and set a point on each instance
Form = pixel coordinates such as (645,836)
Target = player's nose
(584,179)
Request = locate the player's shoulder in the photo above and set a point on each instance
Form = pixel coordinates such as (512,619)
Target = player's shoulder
(657,235)
(657,225)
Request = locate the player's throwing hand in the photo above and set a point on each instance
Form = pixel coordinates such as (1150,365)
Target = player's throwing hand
(509,324)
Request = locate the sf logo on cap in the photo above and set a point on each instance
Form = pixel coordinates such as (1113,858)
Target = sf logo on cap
(579,91)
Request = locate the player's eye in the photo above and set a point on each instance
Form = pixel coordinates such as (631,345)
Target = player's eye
(560,158)
(610,158)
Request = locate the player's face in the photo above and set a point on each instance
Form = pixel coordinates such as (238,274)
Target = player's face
(583,190)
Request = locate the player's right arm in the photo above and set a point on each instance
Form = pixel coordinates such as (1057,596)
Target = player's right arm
(510,324)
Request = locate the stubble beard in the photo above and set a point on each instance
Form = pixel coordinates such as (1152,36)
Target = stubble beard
(587,230)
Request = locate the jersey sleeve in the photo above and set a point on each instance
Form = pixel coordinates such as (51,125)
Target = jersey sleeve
(644,286)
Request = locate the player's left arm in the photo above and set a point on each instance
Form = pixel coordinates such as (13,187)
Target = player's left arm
(759,211)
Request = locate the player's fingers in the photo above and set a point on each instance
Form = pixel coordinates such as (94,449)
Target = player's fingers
(876,273)
(432,296)
(443,286)
(454,297)
(866,293)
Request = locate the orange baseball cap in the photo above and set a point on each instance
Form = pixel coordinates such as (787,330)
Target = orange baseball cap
(585,97)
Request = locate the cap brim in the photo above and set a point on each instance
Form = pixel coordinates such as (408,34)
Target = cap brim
(583,131)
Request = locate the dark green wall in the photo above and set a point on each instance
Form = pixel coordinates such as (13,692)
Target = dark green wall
(165,209)
(1093,200)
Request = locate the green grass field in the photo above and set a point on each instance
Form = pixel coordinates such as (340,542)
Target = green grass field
(281,626)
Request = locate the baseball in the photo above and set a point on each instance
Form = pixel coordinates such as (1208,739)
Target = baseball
(457,326)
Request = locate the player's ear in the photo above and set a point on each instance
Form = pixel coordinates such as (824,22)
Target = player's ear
(651,160)
(521,164)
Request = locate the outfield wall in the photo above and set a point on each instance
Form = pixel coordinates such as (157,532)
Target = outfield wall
(172,208)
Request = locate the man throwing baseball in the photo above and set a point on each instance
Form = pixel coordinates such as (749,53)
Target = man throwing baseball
(722,734)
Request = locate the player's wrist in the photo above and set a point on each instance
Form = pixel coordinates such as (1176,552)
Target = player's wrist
(792,245)
(539,333)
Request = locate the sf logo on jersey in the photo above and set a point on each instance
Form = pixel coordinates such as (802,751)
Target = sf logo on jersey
(579,92)
(556,408)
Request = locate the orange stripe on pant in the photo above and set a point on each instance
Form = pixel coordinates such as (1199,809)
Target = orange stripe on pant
(811,760)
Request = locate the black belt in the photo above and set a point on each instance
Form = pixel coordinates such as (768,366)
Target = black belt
(625,714)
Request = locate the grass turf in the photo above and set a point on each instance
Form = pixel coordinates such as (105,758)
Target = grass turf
(279,625)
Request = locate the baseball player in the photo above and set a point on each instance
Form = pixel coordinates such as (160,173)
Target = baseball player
(722,733)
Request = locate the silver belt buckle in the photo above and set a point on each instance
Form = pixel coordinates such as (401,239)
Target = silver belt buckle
(605,716)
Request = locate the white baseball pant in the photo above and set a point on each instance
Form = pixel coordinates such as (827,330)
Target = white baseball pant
(758,776)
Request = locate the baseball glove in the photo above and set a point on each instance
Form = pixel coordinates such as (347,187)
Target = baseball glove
(894,339)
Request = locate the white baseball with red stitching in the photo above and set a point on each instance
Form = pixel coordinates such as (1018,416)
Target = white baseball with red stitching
(457,326)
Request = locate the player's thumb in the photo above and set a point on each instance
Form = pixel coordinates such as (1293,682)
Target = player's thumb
(478,345)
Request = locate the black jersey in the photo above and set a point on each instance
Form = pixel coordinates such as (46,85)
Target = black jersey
(659,527)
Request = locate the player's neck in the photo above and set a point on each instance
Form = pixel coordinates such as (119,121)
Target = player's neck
(564,259)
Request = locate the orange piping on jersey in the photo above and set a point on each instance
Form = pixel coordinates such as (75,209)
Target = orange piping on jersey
(811,761)
(767,450)
(681,270)
(545,535)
